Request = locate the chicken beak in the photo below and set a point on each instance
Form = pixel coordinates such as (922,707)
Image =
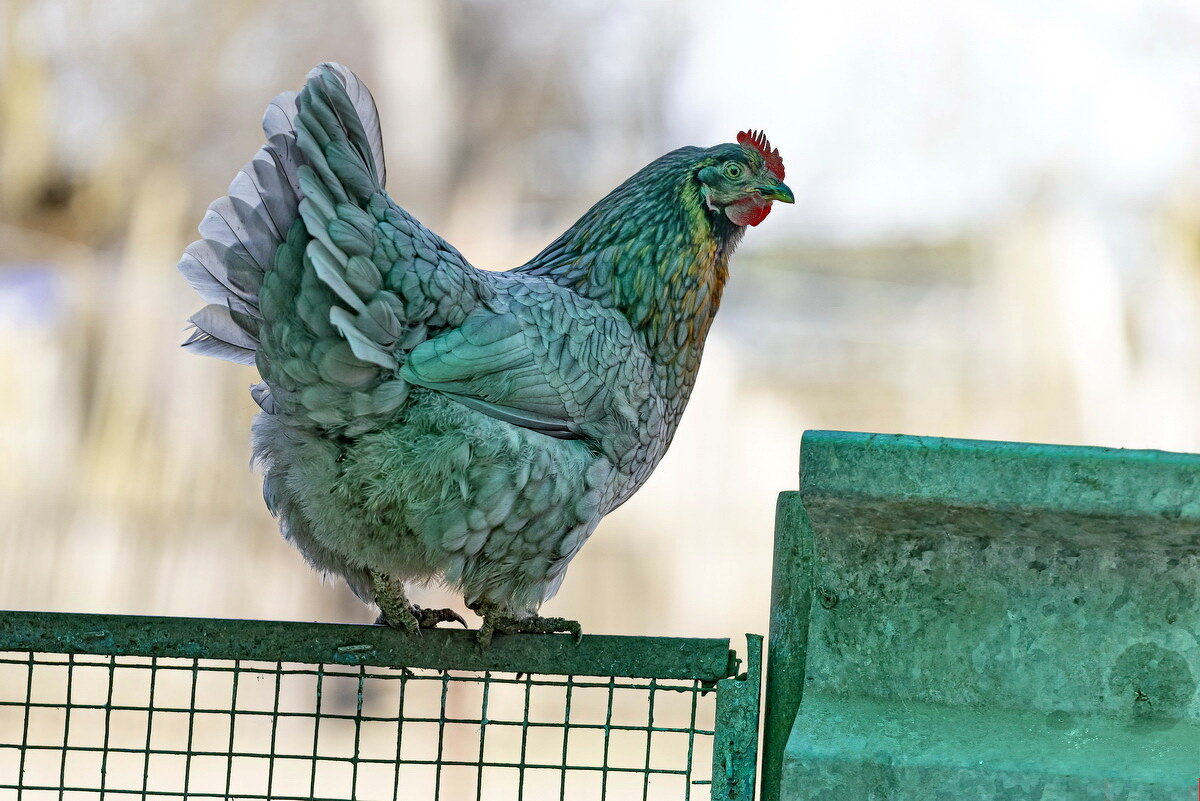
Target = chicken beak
(777,190)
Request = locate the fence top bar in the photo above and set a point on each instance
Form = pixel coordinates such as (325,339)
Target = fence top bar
(355,644)
(1001,475)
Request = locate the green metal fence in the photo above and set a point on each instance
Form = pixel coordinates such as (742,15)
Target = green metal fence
(97,706)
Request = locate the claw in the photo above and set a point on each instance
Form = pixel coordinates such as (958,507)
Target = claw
(430,618)
(395,610)
(404,625)
(496,621)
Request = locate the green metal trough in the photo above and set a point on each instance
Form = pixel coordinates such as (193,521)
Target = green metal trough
(959,619)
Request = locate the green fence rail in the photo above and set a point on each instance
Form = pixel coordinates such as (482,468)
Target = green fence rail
(93,706)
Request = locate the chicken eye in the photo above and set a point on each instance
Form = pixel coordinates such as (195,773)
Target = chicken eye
(733,169)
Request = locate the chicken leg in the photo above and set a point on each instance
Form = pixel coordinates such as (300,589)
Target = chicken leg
(397,612)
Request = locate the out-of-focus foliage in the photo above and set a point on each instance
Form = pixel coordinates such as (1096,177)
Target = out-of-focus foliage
(995,236)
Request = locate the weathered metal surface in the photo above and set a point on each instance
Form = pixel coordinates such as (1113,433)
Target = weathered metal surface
(1001,475)
(735,743)
(347,644)
(791,597)
(994,621)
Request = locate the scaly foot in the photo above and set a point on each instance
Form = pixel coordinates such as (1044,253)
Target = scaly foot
(397,612)
(497,621)
(426,618)
(429,618)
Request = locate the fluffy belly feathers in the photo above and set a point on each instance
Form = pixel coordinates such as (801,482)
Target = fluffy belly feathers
(494,509)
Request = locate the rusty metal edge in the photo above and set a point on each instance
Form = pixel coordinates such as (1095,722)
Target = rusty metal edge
(354,644)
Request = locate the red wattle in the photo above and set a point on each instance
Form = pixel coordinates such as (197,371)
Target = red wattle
(748,211)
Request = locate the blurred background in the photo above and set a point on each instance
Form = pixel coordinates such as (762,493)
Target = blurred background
(995,235)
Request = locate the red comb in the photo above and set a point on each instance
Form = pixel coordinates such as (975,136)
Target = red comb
(758,141)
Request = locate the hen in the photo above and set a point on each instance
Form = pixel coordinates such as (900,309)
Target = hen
(423,419)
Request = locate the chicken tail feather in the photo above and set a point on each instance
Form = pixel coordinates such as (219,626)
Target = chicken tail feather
(242,231)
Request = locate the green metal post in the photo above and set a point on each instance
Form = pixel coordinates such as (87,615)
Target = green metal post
(735,745)
(791,597)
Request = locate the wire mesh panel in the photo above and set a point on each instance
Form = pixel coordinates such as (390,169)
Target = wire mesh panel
(100,706)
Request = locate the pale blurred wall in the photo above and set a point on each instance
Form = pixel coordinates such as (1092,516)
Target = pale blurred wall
(995,236)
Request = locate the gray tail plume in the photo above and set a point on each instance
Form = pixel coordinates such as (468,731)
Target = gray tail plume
(241,231)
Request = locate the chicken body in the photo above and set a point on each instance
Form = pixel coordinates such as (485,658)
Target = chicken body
(423,419)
